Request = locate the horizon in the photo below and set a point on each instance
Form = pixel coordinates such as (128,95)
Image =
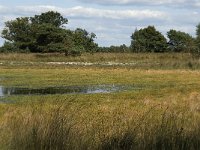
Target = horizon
(113,21)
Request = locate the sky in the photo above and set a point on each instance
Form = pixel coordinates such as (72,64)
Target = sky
(113,21)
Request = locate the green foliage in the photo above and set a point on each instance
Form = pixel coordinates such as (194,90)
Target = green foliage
(19,32)
(196,52)
(198,34)
(52,18)
(41,33)
(9,47)
(46,33)
(50,39)
(85,40)
(75,51)
(114,49)
(180,41)
(148,40)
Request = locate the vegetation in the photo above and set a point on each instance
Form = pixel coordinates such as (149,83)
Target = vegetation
(158,111)
(148,40)
(52,126)
(180,41)
(46,33)
(114,49)
(162,114)
(161,61)
(197,50)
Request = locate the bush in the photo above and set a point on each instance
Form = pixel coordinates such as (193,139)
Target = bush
(11,47)
(75,51)
(196,53)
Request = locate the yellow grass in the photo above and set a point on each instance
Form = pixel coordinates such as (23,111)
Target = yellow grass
(163,114)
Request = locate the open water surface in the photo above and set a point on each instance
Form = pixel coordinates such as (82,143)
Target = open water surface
(11,91)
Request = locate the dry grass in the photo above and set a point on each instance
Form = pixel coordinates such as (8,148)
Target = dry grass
(68,125)
(164,114)
(132,60)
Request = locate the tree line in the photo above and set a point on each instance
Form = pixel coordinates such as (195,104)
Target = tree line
(47,33)
(151,40)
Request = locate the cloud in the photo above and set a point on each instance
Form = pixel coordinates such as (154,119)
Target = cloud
(86,12)
(3,10)
(177,3)
(114,25)
(35,9)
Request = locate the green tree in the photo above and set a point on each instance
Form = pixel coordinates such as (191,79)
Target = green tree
(196,51)
(138,42)
(50,17)
(148,40)
(198,35)
(9,47)
(18,31)
(41,33)
(49,38)
(47,33)
(180,41)
(84,40)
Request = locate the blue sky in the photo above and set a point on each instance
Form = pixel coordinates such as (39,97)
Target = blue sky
(113,21)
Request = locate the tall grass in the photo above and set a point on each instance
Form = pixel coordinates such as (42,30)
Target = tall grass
(132,60)
(157,117)
(45,127)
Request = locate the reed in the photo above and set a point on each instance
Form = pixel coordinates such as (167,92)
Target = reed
(44,126)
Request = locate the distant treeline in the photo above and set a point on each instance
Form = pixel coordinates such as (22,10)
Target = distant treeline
(47,33)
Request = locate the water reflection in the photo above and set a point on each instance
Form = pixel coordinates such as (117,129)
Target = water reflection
(8,91)
(1,91)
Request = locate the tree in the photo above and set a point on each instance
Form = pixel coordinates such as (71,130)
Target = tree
(138,42)
(180,41)
(46,33)
(41,33)
(198,35)
(19,32)
(9,47)
(196,51)
(84,40)
(148,40)
(49,38)
(50,17)
(114,49)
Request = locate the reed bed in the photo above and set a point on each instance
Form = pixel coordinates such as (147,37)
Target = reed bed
(66,125)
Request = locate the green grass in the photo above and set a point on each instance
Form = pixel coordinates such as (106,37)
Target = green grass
(163,114)
(90,76)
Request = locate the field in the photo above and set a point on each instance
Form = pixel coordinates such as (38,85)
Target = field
(159,109)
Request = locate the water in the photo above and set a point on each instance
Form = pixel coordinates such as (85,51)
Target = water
(9,91)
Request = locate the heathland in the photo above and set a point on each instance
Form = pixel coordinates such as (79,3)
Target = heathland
(158,108)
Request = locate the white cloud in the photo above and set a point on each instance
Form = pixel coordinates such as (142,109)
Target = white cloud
(80,11)
(116,14)
(35,9)
(113,26)
(195,3)
(3,9)
(178,3)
